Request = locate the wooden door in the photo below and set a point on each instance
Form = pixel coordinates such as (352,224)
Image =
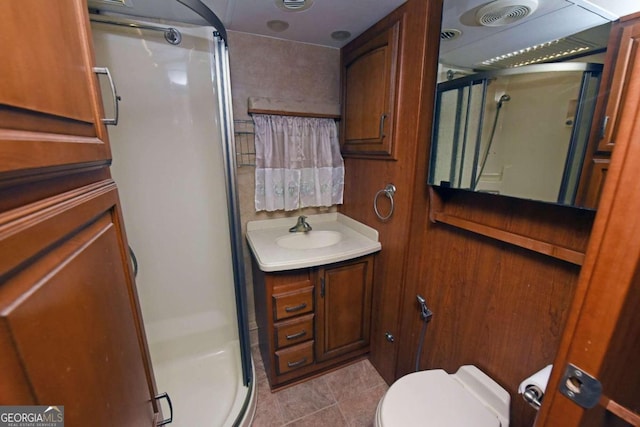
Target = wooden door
(343,308)
(50,104)
(69,323)
(602,336)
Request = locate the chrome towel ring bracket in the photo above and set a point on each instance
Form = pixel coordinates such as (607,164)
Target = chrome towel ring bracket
(389,190)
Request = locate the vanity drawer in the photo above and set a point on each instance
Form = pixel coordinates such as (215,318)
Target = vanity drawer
(293,303)
(293,331)
(294,357)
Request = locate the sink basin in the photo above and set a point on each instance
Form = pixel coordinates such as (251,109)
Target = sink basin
(310,240)
(335,237)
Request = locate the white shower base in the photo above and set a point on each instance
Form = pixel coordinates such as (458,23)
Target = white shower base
(202,382)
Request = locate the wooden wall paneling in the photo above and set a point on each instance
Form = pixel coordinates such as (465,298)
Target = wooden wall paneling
(497,306)
(364,177)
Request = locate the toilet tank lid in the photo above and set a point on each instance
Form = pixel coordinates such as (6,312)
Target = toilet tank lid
(486,390)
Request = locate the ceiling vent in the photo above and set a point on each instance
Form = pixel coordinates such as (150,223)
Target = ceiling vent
(504,12)
(450,34)
(294,5)
(99,3)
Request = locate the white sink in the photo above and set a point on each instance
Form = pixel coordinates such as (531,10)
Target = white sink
(335,237)
(309,240)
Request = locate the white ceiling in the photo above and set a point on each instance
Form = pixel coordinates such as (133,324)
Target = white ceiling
(313,25)
(551,20)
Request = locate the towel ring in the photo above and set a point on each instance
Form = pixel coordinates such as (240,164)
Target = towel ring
(389,190)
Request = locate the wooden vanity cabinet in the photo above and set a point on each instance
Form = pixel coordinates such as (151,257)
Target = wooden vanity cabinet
(313,319)
(370,77)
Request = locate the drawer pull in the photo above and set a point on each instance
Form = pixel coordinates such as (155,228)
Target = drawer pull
(297,363)
(298,335)
(296,308)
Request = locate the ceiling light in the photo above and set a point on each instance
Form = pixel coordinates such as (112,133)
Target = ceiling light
(277,25)
(340,35)
(542,52)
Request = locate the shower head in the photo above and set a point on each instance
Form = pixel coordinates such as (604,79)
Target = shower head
(503,98)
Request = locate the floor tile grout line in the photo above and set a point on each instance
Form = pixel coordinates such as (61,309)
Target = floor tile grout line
(344,417)
(335,402)
(315,412)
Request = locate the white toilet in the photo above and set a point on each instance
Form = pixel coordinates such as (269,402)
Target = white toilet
(468,398)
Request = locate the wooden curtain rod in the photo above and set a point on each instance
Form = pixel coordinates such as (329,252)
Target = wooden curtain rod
(293,113)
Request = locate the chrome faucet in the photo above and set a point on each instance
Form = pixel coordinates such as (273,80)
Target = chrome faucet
(301,225)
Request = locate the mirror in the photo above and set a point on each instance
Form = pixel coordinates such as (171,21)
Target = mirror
(515,102)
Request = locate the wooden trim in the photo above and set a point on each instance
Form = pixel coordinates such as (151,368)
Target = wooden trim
(535,245)
(293,113)
(437,214)
(620,411)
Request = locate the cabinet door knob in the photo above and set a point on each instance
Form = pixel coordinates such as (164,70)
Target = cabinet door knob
(389,336)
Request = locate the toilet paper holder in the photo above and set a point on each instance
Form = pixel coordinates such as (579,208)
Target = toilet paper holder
(533,396)
(533,388)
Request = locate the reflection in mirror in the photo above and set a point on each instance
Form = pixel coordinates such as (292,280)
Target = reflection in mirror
(519,132)
(505,126)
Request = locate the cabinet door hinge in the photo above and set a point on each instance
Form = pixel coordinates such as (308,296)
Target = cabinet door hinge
(322,287)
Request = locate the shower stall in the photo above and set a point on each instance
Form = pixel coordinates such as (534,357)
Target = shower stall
(173,159)
(520,132)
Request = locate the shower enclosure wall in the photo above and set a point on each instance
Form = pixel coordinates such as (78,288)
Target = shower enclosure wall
(171,161)
(519,132)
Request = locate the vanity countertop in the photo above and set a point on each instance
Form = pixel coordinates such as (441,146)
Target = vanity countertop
(335,237)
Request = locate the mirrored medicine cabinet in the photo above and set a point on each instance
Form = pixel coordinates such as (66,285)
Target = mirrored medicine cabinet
(517,131)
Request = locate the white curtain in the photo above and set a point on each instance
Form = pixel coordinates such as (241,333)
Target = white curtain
(298,163)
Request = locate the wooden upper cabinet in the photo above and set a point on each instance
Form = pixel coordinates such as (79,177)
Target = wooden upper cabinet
(369,76)
(617,81)
(624,44)
(50,104)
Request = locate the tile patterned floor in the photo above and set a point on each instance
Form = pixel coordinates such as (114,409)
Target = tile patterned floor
(347,397)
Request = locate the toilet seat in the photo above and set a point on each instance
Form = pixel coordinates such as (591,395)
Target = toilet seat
(433,398)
